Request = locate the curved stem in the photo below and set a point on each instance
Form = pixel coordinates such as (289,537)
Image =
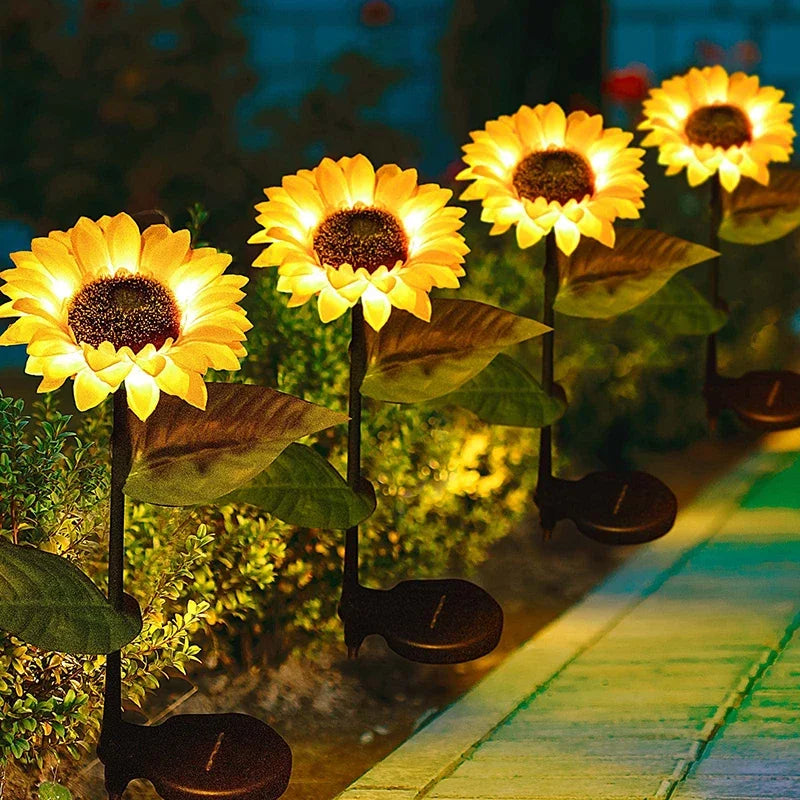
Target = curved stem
(548,318)
(120,464)
(358,368)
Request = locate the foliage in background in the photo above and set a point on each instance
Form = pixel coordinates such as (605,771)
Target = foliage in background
(498,55)
(438,474)
(245,587)
(54,490)
(232,580)
(137,125)
(632,384)
(131,106)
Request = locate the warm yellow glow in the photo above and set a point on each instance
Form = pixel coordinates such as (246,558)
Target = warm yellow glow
(671,106)
(45,284)
(426,249)
(494,157)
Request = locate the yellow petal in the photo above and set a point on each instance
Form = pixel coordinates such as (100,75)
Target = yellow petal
(89,246)
(162,256)
(124,243)
(89,390)
(298,299)
(21,331)
(143,393)
(190,278)
(189,357)
(403,296)
(48,384)
(332,184)
(47,344)
(567,235)
(361,179)
(220,356)
(331,305)
(197,394)
(114,374)
(102,356)
(527,233)
(64,365)
(173,380)
(57,260)
(728,175)
(149,361)
(423,307)
(377,308)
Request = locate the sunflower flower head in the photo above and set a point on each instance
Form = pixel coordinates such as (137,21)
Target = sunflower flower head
(543,170)
(345,232)
(708,121)
(105,304)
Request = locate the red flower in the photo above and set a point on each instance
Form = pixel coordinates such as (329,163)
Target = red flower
(628,85)
(376,13)
(710,52)
(747,53)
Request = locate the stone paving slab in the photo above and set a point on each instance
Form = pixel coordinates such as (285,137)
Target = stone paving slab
(662,684)
(739,787)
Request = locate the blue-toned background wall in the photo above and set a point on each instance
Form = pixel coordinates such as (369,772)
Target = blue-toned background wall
(294,41)
(669,36)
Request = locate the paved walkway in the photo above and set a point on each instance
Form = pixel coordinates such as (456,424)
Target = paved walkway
(677,679)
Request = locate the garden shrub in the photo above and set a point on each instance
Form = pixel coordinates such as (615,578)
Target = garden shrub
(231,580)
(231,584)
(53,494)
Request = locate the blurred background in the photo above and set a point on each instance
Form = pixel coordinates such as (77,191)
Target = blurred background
(110,105)
(137,104)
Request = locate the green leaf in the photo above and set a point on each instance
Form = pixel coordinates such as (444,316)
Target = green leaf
(755,214)
(410,360)
(54,791)
(680,309)
(505,393)
(184,456)
(602,282)
(302,488)
(48,602)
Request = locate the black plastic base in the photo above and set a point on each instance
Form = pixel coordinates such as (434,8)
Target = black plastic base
(198,757)
(432,622)
(617,508)
(768,400)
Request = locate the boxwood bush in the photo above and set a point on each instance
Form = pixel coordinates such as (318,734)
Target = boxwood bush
(232,585)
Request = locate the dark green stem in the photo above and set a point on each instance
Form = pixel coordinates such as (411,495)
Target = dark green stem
(715,206)
(358,368)
(120,461)
(550,290)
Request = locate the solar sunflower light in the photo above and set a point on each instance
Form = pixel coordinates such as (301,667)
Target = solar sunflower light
(142,316)
(726,129)
(375,243)
(565,179)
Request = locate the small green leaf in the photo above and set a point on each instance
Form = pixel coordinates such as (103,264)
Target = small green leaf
(755,214)
(183,456)
(54,791)
(300,487)
(48,602)
(680,309)
(505,393)
(602,282)
(410,360)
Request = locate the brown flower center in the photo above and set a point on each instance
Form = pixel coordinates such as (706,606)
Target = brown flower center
(126,310)
(362,237)
(559,175)
(722,126)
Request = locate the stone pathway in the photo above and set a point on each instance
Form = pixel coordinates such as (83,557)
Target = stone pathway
(677,679)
